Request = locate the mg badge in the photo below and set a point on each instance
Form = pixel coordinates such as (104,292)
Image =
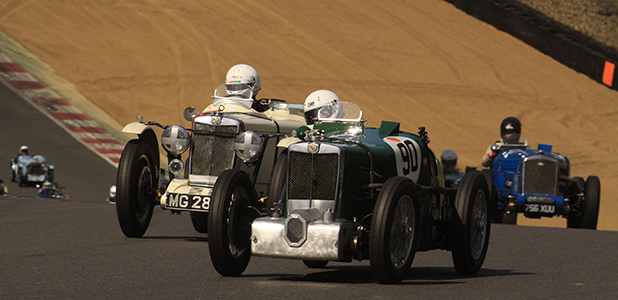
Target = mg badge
(215,120)
(313,148)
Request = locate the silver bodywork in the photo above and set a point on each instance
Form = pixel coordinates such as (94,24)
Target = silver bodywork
(304,234)
(310,231)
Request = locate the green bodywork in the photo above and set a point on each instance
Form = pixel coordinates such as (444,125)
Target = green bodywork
(367,153)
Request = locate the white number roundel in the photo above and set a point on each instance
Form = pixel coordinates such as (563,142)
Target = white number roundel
(407,155)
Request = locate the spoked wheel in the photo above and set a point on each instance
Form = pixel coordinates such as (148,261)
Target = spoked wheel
(592,198)
(393,236)
(232,210)
(471,225)
(315,264)
(277,182)
(136,185)
(200,221)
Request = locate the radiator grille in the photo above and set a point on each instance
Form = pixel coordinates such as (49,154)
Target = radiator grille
(313,176)
(36,169)
(207,143)
(540,177)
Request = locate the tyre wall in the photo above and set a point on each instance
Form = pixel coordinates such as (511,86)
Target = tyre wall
(571,48)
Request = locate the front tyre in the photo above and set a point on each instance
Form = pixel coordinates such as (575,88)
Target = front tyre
(394,230)
(315,264)
(136,184)
(592,199)
(232,210)
(471,225)
(199,221)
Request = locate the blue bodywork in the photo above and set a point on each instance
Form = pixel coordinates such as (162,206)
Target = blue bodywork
(546,183)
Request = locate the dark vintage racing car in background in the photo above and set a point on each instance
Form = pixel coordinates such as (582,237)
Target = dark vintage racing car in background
(346,192)
(210,141)
(27,169)
(538,183)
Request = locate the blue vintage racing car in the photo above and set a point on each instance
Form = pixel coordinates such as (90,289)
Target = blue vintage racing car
(538,183)
(28,169)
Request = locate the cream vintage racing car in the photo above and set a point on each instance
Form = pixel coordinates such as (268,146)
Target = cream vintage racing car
(234,132)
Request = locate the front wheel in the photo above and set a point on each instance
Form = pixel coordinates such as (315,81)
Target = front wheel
(471,225)
(592,199)
(394,230)
(136,192)
(315,264)
(232,210)
(199,221)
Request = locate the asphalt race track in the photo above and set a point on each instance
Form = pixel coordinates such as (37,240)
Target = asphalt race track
(73,248)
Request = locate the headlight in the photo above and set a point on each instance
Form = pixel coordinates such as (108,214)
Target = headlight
(176,166)
(248,146)
(175,139)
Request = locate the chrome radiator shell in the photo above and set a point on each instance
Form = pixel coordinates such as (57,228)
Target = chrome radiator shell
(212,149)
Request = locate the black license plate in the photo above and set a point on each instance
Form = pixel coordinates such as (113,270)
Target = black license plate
(539,208)
(187,202)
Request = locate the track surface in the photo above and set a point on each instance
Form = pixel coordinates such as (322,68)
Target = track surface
(73,248)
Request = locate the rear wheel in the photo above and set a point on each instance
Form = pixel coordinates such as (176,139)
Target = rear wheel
(393,236)
(136,185)
(592,198)
(199,221)
(471,225)
(575,216)
(232,210)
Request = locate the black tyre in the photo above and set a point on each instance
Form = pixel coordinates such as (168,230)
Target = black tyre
(471,226)
(13,175)
(232,210)
(200,221)
(22,179)
(509,218)
(592,198)
(277,182)
(136,188)
(50,176)
(394,230)
(315,264)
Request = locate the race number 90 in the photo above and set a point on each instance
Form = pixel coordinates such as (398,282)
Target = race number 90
(407,155)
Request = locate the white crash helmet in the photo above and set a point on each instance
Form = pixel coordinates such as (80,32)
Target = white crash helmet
(243,80)
(322,103)
(23,148)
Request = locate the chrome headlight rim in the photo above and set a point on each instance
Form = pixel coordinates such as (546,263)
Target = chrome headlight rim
(175,139)
(248,146)
(176,166)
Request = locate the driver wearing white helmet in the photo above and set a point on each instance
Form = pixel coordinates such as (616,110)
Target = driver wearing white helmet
(242,80)
(322,104)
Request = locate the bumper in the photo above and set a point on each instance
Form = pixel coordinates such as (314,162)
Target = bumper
(180,195)
(303,235)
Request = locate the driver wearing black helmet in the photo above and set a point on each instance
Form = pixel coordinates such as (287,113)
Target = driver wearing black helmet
(510,132)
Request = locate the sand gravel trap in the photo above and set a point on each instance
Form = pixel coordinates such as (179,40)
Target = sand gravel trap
(422,63)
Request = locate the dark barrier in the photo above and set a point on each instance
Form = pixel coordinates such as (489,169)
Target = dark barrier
(571,48)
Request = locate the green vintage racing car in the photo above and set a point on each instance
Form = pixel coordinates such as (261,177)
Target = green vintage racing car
(342,191)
